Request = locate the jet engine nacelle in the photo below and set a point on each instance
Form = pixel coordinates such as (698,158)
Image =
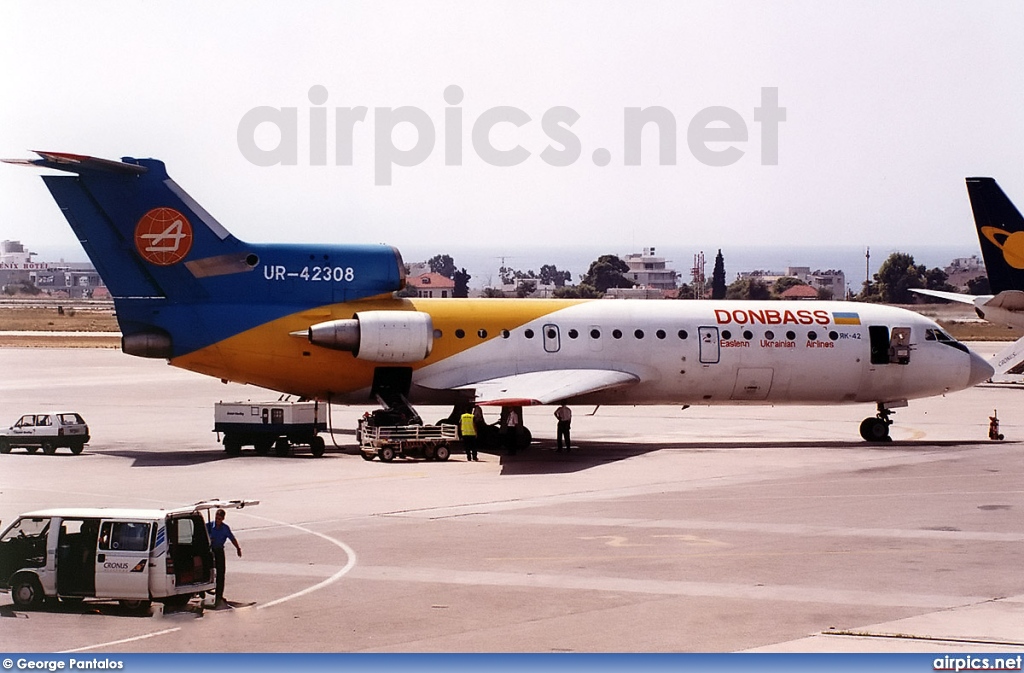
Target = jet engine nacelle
(378,336)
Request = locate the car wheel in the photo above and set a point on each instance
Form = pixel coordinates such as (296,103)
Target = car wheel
(281,447)
(387,454)
(5,447)
(317,446)
(135,605)
(26,592)
(366,456)
(49,448)
(77,447)
(232,446)
(31,449)
(441,452)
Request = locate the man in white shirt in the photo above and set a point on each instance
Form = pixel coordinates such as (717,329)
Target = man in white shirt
(564,416)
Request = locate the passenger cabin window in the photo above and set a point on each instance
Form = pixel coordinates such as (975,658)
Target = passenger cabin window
(124,536)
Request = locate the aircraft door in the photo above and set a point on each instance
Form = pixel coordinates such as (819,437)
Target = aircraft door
(122,560)
(889,347)
(710,346)
(552,341)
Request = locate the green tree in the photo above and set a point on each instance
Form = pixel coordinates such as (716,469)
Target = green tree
(896,276)
(718,286)
(979,286)
(581,291)
(442,264)
(607,272)
(525,287)
(493,293)
(784,283)
(748,288)
(685,291)
(461,278)
(550,275)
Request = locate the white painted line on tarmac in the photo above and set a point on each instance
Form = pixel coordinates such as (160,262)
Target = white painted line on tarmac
(319,585)
(121,642)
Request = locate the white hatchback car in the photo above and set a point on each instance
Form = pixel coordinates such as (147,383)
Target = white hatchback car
(48,431)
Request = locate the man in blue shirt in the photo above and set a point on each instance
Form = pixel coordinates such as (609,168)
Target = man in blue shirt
(220,533)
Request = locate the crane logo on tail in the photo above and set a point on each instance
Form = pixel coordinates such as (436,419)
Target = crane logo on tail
(163,236)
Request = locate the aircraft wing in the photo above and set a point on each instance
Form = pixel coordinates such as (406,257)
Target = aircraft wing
(546,387)
(949,296)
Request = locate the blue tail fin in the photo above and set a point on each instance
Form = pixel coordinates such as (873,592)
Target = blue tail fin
(179,279)
(1000,232)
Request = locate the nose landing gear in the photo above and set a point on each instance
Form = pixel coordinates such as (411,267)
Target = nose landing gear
(876,428)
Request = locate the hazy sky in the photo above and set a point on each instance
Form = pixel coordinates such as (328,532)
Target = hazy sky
(888,107)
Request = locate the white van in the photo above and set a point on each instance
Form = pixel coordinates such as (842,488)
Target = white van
(131,555)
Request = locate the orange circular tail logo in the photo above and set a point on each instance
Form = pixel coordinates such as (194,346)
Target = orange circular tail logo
(163,236)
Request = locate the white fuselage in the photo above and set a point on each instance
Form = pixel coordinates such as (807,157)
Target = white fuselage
(722,352)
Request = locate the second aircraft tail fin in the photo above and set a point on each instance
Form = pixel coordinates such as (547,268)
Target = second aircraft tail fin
(1000,232)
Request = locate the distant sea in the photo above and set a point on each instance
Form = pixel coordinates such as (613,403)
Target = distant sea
(483,264)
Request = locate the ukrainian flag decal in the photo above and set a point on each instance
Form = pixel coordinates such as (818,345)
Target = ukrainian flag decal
(845,318)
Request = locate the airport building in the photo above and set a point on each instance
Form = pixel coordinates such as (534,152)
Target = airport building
(20,272)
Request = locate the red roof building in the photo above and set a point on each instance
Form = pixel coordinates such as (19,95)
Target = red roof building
(432,285)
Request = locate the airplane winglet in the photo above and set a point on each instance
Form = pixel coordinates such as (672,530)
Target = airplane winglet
(77,163)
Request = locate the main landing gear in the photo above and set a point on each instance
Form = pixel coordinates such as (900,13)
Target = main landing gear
(876,428)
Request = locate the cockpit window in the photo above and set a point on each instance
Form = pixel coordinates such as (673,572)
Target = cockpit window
(943,338)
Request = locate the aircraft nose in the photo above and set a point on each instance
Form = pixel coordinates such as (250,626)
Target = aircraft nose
(981,370)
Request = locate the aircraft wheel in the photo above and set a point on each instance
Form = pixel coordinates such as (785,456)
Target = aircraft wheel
(874,429)
(282,447)
(317,446)
(26,592)
(524,439)
(386,453)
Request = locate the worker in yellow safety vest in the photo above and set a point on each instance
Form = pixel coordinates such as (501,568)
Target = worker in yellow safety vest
(468,428)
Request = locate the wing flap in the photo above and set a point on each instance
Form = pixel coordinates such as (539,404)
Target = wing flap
(546,387)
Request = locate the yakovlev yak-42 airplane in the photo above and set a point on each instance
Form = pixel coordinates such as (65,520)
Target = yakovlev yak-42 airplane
(321,321)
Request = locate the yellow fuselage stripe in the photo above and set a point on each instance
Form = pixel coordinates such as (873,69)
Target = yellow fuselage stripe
(269,356)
